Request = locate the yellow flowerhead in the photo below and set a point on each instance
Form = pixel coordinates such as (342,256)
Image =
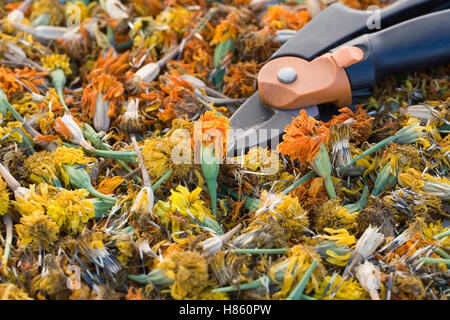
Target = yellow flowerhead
(10,133)
(289,271)
(402,157)
(341,236)
(157,154)
(177,18)
(4,197)
(348,289)
(183,201)
(57,61)
(10,291)
(189,270)
(433,229)
(331,214)
(36,200)
(37,230)
(71,210)
(40,167)
(52,8)
(425,183)
(289,212)
(69,156)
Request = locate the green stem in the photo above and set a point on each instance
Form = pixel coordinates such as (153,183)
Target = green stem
(384,178)
(434,260)
(322,166)
(260,251)
(91,135)
(442,253)
(442,235)
(297,293)
(162,179)
(4,103)
(124,45)
(251,285)
(212,187)
(300,181)
(250,203)
(360,204)
(124,155)
(369,151)
(329,186)
(100,195)
(61,98)
(210,169)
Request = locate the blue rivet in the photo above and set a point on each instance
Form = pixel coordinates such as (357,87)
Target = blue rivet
(287,75)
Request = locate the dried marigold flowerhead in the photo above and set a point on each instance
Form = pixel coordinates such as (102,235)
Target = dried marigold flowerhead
(57,61)
(280,17)
(40,168)
(213,128)
(240,79)
(345,289)
(192,207)
(26,76)
(37,231)
(10,291)
(114,65)
(69,129)
(228,28)
(303,138)
(288,211)
(101,99)
(425,183)
(289,271)
(173,151)
(189,271)
(359,123)
(71,210)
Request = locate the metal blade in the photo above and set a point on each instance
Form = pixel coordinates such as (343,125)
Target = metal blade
(256,124)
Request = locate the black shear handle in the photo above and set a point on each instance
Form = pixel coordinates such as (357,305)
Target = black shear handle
(413,45)
(339,23)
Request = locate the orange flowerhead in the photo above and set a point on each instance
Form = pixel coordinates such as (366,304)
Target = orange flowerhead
(109,64)
(282,17)
(14,81)
(360,123)
(109,88)
(303,138)
(211,128)
(211,120)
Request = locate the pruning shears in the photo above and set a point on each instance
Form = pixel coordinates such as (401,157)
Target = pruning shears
(337,59)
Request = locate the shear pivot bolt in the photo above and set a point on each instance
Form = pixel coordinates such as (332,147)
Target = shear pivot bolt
(287,75)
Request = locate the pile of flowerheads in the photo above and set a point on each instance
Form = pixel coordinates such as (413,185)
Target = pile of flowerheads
(113,118)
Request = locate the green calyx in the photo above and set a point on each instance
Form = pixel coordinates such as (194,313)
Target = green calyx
(210,169)
(59,81)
